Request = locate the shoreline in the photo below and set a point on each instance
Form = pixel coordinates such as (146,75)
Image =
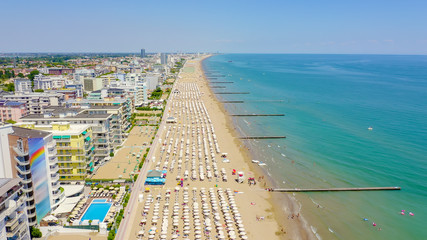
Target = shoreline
(295,229)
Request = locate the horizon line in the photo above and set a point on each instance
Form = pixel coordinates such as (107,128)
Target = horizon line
(138,53)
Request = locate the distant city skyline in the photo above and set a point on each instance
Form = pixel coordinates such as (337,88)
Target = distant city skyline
(330,26)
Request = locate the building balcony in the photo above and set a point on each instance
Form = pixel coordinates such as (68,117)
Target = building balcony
(70,161)
(102,154)
(31,215)
(26,180)
(55,177)
(66,147)
(73,174)
(54,169)
(13,232)
(27,190)
(65,160)
(56,194)
(19,152)
(77,154)
(99,130)
(25,177)
(22,170)
(52,151)
(62,154)
(56,186)
(51,144)
(58,200)
(53,160)
(12,221)
(22,161)
(29,199)
(100,141)
(21,200)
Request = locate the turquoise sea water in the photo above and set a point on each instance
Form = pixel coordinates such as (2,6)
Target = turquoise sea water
(330,101)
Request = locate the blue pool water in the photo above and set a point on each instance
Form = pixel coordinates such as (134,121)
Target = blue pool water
(97,210)
(99,200)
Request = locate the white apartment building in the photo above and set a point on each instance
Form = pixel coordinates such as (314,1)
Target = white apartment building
(5,164)
(36,102)
(141,93)
(22,85)
(80,74)
(152,81)
(13,212)
(132,78)
(49,82)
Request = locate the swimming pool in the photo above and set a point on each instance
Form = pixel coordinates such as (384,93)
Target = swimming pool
(98,209)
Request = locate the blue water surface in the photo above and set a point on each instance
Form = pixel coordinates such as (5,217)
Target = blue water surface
(331,102)
(96,211)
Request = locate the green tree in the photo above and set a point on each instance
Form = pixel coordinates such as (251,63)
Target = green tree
(111,234)
(157,94)
(9,87)
(21,75)
(35,232)
(33,74)
(39,90)
(7,74)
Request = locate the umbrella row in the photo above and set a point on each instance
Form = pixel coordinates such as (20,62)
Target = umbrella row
(195,215)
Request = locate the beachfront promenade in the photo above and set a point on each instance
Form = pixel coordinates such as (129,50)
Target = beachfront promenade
(201,199)
(138,186)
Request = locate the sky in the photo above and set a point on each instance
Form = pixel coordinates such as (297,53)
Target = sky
(232,26)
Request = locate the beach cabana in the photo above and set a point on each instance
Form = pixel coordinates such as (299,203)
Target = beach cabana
(155,177)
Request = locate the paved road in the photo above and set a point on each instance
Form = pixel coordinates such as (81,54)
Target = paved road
(130,211)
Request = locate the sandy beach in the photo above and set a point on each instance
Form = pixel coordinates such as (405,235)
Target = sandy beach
(126,158)
(260,218)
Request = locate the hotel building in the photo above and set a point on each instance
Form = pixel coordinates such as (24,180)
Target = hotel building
(101,124)
(13,212)
(74,146)
(32,158)
(121,109)
(36,102)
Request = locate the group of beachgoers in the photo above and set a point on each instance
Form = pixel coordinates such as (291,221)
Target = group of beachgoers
(402,212)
